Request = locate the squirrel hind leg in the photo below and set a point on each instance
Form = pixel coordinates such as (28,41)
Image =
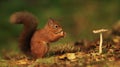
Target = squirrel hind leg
(39,49)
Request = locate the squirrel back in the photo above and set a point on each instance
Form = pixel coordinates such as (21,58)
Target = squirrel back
(30,24)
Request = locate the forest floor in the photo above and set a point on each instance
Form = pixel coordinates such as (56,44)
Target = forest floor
(82,53)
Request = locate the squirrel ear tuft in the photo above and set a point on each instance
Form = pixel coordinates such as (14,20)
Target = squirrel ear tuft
(51,21)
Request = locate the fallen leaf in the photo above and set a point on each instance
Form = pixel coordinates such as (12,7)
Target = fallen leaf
(70,56)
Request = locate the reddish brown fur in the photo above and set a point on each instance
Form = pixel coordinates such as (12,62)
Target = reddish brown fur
(30,24)
(34,41)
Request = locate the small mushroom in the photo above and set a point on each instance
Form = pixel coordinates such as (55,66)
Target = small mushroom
(101,38)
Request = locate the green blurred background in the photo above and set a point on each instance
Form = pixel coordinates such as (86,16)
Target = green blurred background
(78,17)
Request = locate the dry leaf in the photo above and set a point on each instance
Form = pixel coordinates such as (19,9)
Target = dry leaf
(70,56)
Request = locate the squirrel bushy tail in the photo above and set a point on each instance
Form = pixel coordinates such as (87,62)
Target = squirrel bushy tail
(30,24)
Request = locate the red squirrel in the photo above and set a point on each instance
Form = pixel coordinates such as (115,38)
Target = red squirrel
(33,41)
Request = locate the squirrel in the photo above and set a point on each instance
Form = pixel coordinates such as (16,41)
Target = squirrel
(32,41)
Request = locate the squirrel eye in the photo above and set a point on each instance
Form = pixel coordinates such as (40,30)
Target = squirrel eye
(55,26)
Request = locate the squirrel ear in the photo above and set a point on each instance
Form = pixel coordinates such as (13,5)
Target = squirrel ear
(51,21)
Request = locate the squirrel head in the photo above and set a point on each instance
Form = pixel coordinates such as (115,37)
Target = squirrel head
(55,29)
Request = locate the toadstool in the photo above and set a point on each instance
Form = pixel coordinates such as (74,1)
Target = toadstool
(101,38)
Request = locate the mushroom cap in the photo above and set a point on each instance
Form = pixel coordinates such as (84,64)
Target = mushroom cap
(100,30)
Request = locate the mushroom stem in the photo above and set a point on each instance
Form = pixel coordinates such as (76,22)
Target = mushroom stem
(101,41)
